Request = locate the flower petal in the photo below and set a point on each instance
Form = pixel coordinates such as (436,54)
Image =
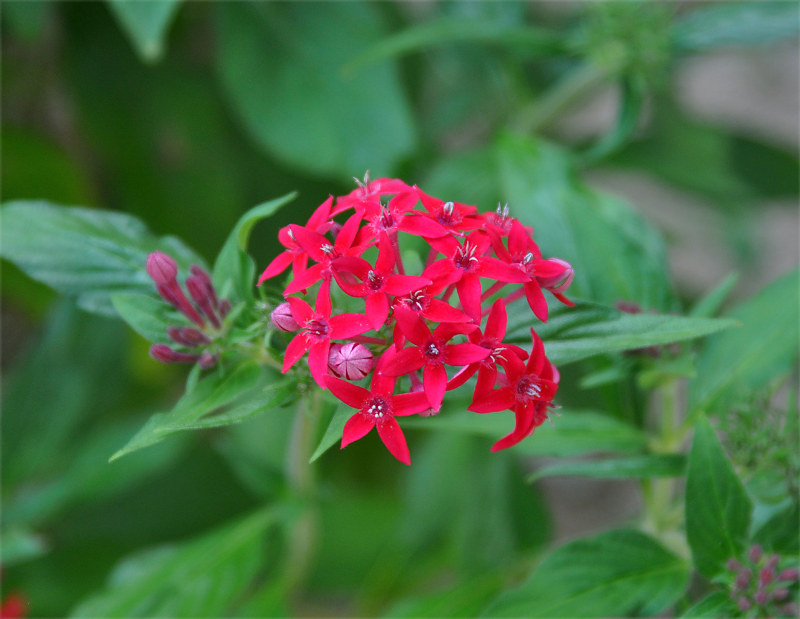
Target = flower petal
(502,272)
(318,355)
(434,379)
(301,311)
(412,326)
(409,403)
(345,326)
(493,401)
(536,300)
(497,321)
(462,376)
(421,225)
(524,414)
(392,436)
(439,311)
(296,349)
(306,279)
(356,427)
(397,285)
(350,394)
(377,310)
(404,362)
(464,354)
(278,265)
(469,293)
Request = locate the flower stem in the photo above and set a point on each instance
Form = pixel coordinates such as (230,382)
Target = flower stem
(302,481)
(494,288)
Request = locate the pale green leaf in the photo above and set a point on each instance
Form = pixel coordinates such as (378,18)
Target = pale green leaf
(145,22)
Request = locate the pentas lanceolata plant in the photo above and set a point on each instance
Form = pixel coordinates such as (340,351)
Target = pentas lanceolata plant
(421,334)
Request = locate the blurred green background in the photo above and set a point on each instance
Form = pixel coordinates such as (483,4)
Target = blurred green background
(188,114)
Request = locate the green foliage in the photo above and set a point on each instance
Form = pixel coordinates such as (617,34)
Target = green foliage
(84,253)
(717,506)
(145,24)
(273,55)
(619,573)
(638,467)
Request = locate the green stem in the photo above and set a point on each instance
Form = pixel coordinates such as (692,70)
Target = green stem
(564,94)
(301,478)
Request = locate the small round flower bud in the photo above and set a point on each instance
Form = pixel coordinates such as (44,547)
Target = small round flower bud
(282,318)
(733,565)
(772,562)
(765,576)
(761,597)
(755,553)
(558,283)
(744,604)
(161,268)
(207,360)
(351,361)
(780,594)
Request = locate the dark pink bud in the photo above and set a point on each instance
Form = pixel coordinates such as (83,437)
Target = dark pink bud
(629,307)
(199,293)
(163,353)
(780,594)
(733,565)
(789,575)
(282,318)
(761,597)
(744,604)
(188,336)
(558,283)
(205,278)
(351,360)
(790,610)
(207,360)
(772,562)
(173,295)
(743,579)
(161,268)
(765,576)
(755,553)
(224,308)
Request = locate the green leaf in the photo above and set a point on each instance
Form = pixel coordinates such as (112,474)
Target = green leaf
(726,24)
(465,599)
(146,315)
(333,433)
(234,269)
(715,604)
(780,532)
(281,66)
(203,577)
(640,467)
(84,253)
(239,390)
(145,22)
(717,507)
(732,365)
(572,432)
(20,544)
(588,329)
(620,573)
(616,254)
(449,29)
(710,304)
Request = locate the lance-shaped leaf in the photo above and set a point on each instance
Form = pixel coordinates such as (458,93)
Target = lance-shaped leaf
(616,574)
(637,467)
(717,506)
(145,22)
(87,254)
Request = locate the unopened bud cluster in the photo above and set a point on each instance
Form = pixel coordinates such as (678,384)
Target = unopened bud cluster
(434,329)
(763,585)
(191,344)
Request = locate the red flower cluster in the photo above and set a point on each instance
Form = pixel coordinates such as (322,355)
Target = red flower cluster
(471,254)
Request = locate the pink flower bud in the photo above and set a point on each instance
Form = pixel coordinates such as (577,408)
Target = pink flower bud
(161,268)
(558,283)
(199,292)
(789,575)
(755,553)
(205,279)
(207,360)
(224,308)
(733,565)
(743,579)
(188,336)
(772,562)
(163,353)
(351,361)
(744,604)
(765,576)
(761,597)
(282,318)
(780,594)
